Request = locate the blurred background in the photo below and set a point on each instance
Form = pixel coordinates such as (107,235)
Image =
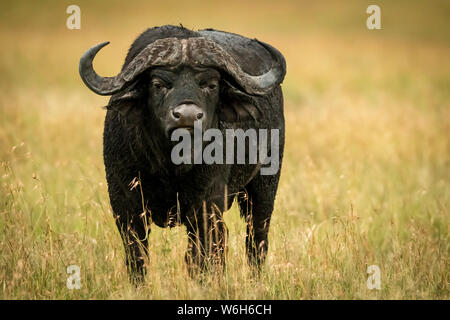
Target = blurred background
(365,178)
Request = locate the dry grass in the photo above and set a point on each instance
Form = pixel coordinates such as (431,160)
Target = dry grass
(365,177)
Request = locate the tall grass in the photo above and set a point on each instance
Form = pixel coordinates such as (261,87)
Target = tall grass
(365,178)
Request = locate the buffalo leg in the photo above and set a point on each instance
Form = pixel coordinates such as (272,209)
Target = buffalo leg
(134,236)
(256,206)
(207,237)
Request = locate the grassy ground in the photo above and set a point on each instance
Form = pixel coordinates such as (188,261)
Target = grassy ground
(365,179)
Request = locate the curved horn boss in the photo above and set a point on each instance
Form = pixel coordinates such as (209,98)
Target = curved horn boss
(197,51)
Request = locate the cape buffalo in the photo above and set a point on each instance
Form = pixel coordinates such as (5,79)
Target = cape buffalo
(171,78)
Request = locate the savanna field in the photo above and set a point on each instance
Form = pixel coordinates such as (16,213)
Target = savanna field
(365,178)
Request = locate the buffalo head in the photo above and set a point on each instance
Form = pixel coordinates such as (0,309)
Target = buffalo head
(184,80)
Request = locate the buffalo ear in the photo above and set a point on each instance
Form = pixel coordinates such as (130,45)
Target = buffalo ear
(238,106)
(126,104)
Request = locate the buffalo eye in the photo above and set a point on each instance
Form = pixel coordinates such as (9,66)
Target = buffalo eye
(209,85)
(159,85)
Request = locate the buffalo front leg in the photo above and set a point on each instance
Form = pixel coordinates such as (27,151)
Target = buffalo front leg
(256,203)
(257,242)
(134,232)
(207,241)
(257,218)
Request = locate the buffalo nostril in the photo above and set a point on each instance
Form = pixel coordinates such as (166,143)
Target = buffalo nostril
(199,115)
